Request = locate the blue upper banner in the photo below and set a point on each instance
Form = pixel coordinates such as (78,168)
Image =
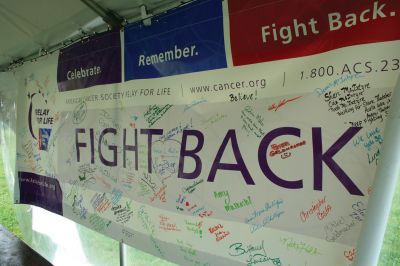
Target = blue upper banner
(187,39)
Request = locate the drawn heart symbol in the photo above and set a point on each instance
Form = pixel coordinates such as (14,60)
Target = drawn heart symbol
(349,255)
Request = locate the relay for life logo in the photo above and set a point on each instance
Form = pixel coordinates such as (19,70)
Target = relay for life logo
(40,118)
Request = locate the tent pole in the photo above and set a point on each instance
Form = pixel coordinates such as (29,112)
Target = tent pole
(379,204)
(121,254)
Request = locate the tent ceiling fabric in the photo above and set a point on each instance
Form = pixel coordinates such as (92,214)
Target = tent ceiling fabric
(27,26)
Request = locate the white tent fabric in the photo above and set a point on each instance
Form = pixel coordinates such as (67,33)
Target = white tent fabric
(29,27)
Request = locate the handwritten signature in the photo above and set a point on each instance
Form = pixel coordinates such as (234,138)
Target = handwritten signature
(192,187)
(256,253)
(237,249)
(281,103)
(146,178)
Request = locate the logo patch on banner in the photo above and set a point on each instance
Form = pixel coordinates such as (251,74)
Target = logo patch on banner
(44,136)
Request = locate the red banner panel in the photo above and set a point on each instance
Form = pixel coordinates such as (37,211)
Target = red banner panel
(263,31)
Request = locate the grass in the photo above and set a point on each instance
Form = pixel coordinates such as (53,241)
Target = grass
(390,252)
(7,211)
(93,242)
